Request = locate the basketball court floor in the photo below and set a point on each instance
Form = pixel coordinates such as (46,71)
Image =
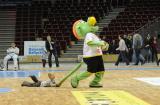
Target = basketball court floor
(122,85)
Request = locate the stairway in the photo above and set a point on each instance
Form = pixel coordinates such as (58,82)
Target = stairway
(107,19)
(71,54)
(7,30)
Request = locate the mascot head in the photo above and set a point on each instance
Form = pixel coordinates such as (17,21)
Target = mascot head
(81,28)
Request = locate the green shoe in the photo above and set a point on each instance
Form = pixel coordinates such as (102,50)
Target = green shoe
(74,82)
(96,81)
(95,85)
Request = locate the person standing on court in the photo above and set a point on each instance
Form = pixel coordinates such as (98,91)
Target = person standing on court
(51,49)
(137,46)
(154,50)
(129,46)
(122,51)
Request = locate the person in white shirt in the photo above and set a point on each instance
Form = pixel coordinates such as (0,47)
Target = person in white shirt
(12,53)
(122,51)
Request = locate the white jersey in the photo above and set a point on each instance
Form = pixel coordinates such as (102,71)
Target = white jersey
(12,50)
(91,51)
(122,46)
(48,83)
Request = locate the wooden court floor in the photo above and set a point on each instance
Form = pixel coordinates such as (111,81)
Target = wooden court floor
(113,80)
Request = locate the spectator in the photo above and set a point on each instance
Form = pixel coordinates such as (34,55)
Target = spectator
(127,42)
(137,45)
(147,46)
(154,46)
(12,53)
(51,49)
(112,47)
(44,58)
(154,49)
(130,50)
(123,50)
(105,51)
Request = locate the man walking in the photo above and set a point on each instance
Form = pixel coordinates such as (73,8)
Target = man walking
(123,51)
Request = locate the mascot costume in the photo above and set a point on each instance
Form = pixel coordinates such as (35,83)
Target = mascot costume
(92,52)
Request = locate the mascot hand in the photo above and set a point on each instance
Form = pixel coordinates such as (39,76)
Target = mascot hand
(96,43)
(105,46)
(102,43)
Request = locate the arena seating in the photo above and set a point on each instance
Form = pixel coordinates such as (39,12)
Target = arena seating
(136,14)
(57,18)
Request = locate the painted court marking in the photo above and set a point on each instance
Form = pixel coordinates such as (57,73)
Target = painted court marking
(114,97)
(150,80)
(25,73)
(18,74)
(5,90)
(133,68)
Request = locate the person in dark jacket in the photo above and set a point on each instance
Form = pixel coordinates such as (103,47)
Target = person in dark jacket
(130,50)
(148,47)
(154,50)
(112,47)
(129,46)
(51,49)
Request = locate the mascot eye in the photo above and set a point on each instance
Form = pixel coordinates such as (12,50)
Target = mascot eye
(78,27)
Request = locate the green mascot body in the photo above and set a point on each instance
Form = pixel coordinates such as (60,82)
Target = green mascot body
(92,52)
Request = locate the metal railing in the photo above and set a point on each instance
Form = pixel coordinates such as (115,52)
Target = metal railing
(152,28)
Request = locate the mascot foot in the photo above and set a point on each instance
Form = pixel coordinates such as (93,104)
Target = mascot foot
(95,85)
(75,80)
(96,81)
